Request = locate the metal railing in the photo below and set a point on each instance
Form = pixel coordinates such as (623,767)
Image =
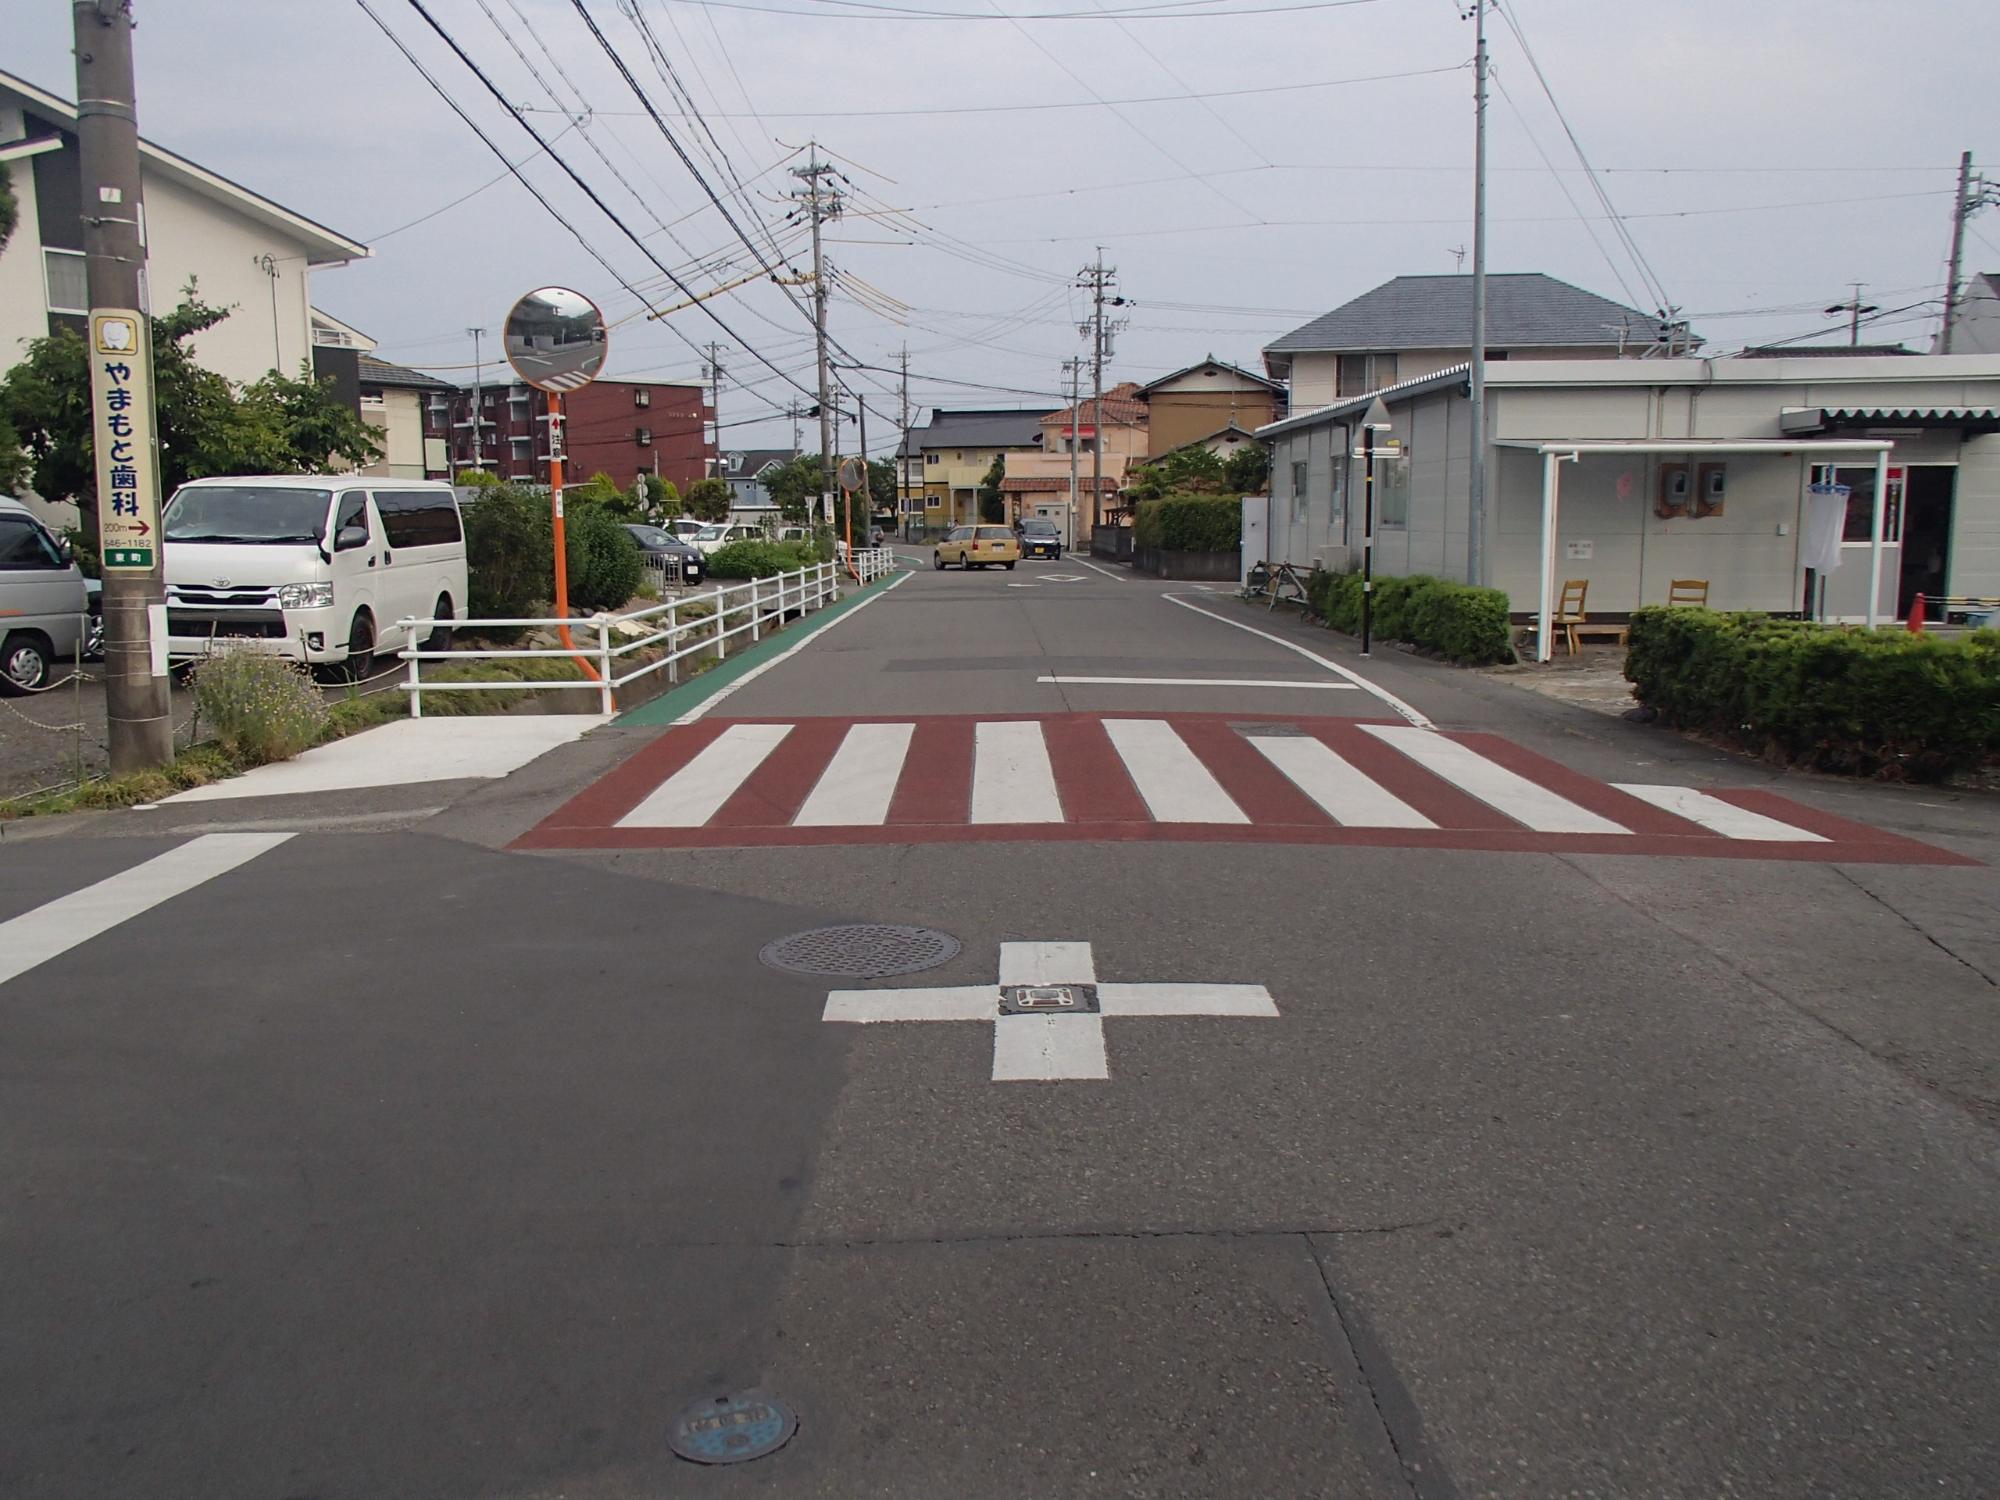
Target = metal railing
(704,622)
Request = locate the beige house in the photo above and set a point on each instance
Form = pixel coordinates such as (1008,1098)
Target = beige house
(1415,326)
(1038,484)
(1213,403)
(952,453)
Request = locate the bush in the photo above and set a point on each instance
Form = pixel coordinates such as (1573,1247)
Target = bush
(1461,623)
(1190,523)
(262,708)
(761,559)
(1874,703)
(604,561)
(509,553)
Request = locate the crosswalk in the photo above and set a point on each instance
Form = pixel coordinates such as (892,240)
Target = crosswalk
(1213,777)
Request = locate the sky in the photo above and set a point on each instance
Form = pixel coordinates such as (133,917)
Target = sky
(1245,165)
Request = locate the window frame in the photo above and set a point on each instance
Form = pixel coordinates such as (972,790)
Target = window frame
(48,286)
(431,504)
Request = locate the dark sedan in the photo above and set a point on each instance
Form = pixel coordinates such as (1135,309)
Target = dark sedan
(1040,539)
(664,550)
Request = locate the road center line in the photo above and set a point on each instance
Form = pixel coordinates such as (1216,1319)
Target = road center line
(1228,682)
(53,929)
(1402,708)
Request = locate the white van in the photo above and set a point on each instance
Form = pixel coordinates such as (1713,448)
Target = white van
(42,601)
(317,567)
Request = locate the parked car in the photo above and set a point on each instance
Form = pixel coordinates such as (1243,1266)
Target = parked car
(683,527)
(1040,539)
(722,533)
(662,549)
(977,547)
(794,534)
(319,568)
(43,602)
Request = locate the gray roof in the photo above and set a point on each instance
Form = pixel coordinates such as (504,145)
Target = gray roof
(991,428)
(756,460)
(380,372)
(1435,312)
(1211,363)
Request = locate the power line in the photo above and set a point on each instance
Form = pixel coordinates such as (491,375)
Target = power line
(1163,10)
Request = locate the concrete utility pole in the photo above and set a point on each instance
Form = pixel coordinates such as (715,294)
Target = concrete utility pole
(1854,307)
(1475,482)
(1098,279)
(478,390)
(121,389)
(1074,369)
(715,401)
(795,412)
(822,202)
(903,450)
(1974,193)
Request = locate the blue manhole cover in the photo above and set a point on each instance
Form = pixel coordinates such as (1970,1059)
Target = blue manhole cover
(733,1429)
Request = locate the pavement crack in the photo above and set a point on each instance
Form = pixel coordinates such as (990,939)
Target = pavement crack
(1908,921)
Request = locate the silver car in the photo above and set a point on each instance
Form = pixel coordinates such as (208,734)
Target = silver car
(43,606)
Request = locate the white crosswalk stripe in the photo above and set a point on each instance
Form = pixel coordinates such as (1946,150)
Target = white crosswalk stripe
(1717,816)
(1177,787)
(1012,780)
(1342,792)
(860,781)
(1506,791)
(696,792)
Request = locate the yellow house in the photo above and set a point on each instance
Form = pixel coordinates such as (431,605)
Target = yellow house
(952,454)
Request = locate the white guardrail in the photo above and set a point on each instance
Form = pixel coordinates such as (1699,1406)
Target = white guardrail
(724,613)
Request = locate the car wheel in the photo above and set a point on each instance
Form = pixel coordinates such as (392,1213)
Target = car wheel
(360,649)
(937,561)
(1010,567)
(440,636)
(24,664)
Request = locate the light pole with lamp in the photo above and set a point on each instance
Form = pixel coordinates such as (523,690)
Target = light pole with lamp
(1375,420)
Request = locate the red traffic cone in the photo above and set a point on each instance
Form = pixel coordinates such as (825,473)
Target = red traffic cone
(1917,615)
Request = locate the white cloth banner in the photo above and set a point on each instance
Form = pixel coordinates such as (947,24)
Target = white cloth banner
(1826,519)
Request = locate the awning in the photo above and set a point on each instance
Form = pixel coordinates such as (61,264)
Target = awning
(1807,420)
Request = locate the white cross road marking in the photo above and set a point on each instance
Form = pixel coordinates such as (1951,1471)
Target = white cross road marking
(1062,578)
(1051,1048)
(1717,816)
(1506,791)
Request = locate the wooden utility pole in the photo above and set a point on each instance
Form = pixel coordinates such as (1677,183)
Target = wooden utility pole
(121,390)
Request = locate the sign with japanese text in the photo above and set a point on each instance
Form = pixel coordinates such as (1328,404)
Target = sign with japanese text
(121,405)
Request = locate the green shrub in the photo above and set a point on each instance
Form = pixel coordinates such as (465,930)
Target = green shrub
(1461,623)
(1189,523)
(604,561)
(509,553)
(1875,703)
(761,559)
(262,708)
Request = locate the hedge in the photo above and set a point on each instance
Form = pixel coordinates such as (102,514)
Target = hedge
(1190,523)
(509,553)
(1875,703)
(761,559)
(1459,622)
(604,561)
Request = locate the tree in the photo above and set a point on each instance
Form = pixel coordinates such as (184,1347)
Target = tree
(1190,470)
(276,425)
(882,485)
(10,208)
(663,501)
(707,500)
(1248,470)
(993,504)
(477,479)
(602,490)
(795,486)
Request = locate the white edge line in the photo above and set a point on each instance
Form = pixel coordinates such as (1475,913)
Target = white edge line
(1402,708)
(1116,577)
(1228,682)
(792,650)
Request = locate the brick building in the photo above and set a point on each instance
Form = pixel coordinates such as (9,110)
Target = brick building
(623,428)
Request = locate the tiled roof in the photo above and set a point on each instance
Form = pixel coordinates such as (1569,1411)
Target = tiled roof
(1211,363)
(991,428)
(1122,408)
(1435,312)
(380,372)
(1012,486)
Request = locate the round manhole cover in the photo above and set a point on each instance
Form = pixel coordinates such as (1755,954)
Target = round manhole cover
(865,951)
(733,1429)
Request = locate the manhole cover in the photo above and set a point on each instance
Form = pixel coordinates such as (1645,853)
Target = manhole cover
(733,1429)
(867,951)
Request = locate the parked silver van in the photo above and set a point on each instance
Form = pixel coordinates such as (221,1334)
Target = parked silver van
(43,605)
(316,567)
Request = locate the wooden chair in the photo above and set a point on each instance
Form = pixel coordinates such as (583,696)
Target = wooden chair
(1570,618)
(1689,592)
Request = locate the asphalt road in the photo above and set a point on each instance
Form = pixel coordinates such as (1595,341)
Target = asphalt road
(397,1162)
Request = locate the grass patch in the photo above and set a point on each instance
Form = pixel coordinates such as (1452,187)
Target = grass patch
(191,768)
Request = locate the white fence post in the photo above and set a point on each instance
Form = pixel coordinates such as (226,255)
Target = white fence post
(756,614)
(605,704)
(416,684)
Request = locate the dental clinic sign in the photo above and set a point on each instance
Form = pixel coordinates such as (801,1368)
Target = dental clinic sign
(121,403)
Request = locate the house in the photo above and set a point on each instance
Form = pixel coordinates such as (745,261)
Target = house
(1213,403)
(406,407)
(624,428)
(1038,484)
(245,251)
(744,472)
(1759,476)
(1975,320)
(957,448)
(1415,326)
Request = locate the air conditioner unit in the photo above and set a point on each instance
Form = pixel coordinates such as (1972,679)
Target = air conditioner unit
(1336,557)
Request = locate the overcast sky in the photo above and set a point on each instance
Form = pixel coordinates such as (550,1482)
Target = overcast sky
(1763,155)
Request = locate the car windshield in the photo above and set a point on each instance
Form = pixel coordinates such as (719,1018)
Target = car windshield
(248,514)
(649,536)
(710,533)
(1038,528)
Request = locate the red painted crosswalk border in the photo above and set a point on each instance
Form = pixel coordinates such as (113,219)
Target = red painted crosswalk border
(742,783)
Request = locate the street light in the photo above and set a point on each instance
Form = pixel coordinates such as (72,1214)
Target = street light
(1374,420)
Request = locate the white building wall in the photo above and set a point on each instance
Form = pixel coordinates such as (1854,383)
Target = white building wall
(24,311)
(1975,540)
(399,432)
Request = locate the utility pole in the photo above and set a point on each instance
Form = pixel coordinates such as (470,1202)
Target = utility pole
(715,402)
(121,389)
(823,202)
(478,383)
(1475,474)
(1974,193)
(1074,369)
(903,451)
(1854,307)
(1098,279)
(795,412)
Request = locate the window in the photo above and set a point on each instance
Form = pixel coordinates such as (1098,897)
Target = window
(1392,493)
(642,398)
(374,401)
(1361,373)
(24,545)
(643,437)
(67,286)
(1298,489)
(417,518)
(931,458)
(353,512)
(1860,482)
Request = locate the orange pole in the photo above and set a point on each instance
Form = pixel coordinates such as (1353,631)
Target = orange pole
(556,520)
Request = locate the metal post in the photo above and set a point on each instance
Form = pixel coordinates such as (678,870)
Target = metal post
(1475,482)
(1875,539)
(1367,534)
(138,710)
